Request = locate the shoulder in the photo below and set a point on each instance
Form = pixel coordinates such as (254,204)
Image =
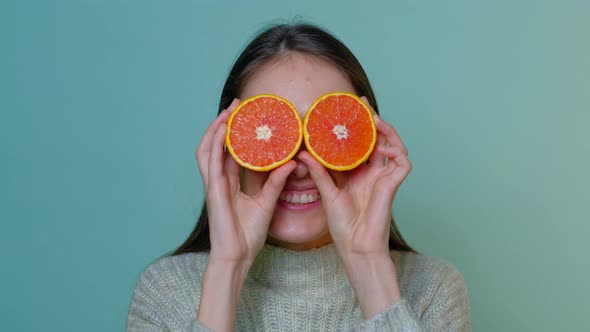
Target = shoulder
(168,290)
(422,266)
(171,270)
(427,280)
(169,278)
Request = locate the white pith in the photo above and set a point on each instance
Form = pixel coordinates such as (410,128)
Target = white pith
(340,131)
(263,132)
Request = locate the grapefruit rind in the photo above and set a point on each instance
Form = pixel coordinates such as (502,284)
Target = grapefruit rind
(276,163)
(322,160)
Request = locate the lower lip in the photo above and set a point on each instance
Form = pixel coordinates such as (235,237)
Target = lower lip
(298,207)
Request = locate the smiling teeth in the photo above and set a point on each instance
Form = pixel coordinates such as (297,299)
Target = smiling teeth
(300,199)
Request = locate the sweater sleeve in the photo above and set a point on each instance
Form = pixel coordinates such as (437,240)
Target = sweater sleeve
(448,311)
(397,317)
(153,309)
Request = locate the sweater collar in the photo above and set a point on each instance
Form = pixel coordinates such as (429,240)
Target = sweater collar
(317,272)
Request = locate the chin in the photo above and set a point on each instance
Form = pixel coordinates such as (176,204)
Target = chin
(298,233)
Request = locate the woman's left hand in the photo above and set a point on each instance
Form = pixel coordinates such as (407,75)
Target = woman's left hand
(358,210)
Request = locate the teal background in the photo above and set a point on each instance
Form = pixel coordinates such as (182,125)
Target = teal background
(104,102)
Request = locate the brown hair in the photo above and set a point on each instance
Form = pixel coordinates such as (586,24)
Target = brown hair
(279,41)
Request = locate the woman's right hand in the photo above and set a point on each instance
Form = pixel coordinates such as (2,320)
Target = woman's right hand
(238,223)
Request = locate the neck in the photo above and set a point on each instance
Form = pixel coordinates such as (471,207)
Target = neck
(315,272)
(322,241)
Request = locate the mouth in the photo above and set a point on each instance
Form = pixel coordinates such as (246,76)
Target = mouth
(299,199)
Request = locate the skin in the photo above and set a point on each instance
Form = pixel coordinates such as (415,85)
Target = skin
(354,211)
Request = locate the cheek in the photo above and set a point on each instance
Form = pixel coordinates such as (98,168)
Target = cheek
(251,182)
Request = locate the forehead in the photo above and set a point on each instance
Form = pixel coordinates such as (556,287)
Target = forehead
(299,78)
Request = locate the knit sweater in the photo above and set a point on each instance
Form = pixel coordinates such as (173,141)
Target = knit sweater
(289,290)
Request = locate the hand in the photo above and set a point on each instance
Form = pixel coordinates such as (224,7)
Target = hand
(359,208)
(238,223)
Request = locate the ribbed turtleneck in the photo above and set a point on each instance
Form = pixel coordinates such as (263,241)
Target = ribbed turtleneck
(311,273)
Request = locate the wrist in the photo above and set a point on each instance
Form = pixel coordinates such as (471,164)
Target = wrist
(220,294)
(374,280)
(231,273)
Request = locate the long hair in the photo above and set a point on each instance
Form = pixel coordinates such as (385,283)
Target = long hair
(276,42)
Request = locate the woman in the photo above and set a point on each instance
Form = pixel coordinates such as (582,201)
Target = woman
(258,261)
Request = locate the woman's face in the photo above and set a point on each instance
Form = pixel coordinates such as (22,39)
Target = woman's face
(301,79)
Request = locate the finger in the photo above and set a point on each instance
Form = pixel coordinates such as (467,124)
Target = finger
(216,158)
(366,101)
(377,159)
(404,166)
(398,169)
(392,152)
(232,170)
(320,176)
(397,160)
(276,181)
(390,133)
(218,193)
(210,131)
(204,149)
(233,105)
(383,127)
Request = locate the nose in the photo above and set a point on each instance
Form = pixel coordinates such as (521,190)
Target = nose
(301,171)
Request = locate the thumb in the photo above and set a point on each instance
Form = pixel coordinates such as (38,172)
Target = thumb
(320,176)
(276,181)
